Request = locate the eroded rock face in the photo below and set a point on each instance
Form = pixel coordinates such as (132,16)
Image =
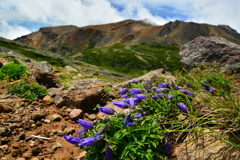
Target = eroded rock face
(207,147)
(211,51)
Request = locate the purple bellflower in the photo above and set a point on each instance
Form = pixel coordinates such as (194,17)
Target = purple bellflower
(168,149)
(128,122)
(135,91)
(72,140)
(109,153)
(87,141)
(131,102)
(123,91)
(140,97)
(163,85)
(124,96)
(179,87)
(120,104)
(99,136)
(158,90)
(81,133)
(157,96)
(183,107)
(164,89)
(106,110)
(170,97)
(207,88)
(138,115)
(85,124)
(134,81)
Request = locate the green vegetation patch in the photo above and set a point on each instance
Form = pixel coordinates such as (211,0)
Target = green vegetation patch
(136,59)
(13,71)
(28,91)
(31,54)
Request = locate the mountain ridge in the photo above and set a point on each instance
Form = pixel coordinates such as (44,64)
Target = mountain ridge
(67,40)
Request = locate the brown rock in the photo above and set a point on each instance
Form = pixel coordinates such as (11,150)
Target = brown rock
(17,145)
(92,116)
(81,98)
(38,115)
(5,131)
(47,100)
(56,117)
(5,108)
(76,114)
(27,155)
(17,153)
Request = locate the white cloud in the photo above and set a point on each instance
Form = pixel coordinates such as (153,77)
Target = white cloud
(89,12)
(60,12)
(12,32)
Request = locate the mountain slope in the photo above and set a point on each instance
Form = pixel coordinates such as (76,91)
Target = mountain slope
(66,40)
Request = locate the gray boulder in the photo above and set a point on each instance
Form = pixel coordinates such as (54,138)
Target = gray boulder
(211,51)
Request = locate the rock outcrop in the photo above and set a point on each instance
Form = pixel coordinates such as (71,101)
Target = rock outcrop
(211,51)
(83,94)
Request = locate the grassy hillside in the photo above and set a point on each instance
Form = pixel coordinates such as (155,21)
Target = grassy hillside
(31,53)
(132,59)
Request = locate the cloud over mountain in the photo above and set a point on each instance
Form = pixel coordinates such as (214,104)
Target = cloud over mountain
(89,12)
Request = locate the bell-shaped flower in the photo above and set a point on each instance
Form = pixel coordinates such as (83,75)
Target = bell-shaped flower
(128,122)
(163,85)
(123,91)
(158,90)
(124,96)
(164,89)
(183,107)
(179,87)
(85,124)
(72,140)
(135,91)
(170,97)
(207,88)
(134,81)
(131,102)
(120,104)
(87,141)
(140,97)
(109,153)
(106,110)
(168,149)
(157,96)
(138,115)
(82,133)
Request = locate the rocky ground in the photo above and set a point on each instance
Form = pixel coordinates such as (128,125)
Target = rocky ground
(51,118)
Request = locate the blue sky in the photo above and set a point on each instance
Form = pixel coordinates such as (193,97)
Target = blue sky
(18,18)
